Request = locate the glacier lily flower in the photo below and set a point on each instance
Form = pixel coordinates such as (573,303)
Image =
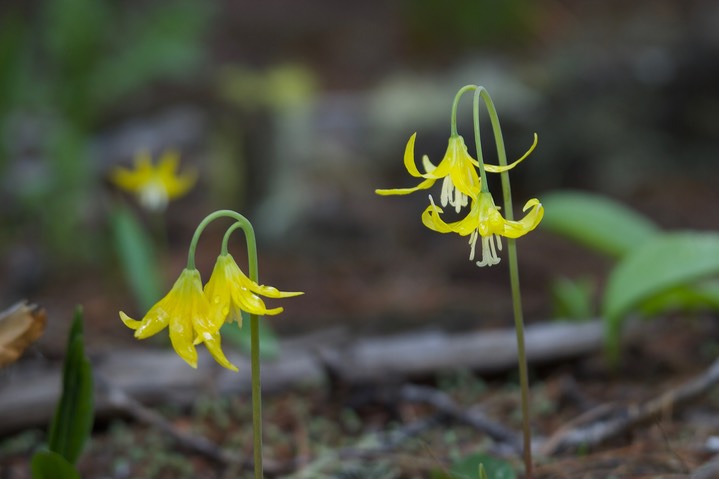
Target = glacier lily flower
(186,311)
(229,292)
(457,170)
(484,220)
(154,186)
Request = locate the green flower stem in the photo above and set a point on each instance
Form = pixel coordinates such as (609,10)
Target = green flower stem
(484,188)
(226,238)
(455,103)
(246,226)
(513,270)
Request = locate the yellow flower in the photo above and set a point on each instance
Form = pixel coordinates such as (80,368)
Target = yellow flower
(229,292)
(485,220)
(458,170)
(154,186)
(186,311)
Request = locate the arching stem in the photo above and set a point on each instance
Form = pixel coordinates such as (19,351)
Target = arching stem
(513,269)
(455,103)
(246,226)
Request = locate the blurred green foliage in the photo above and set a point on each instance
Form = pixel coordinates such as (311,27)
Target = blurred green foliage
(596,222)
(62,71)
(573,299)
(655,271)
(137,256)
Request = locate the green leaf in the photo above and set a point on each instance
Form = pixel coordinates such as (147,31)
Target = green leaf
(573,299)
(240,337)
(51,465)
(596,222)
(72,424)
(663,264)
(468,466)
(704,295)
(137,257)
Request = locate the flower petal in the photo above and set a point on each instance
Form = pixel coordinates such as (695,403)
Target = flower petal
(409,157)
(181,337)
(431,219)
(129,322)
(154,321)
(272,292)
(212,342)
(429,167)
(515,229)
(405,191)
(500,169)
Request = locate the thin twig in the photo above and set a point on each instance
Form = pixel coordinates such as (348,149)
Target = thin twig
(621,420)
(120,400)
(473,417)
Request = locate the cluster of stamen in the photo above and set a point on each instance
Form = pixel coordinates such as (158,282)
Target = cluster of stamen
(489,250)
(452,196)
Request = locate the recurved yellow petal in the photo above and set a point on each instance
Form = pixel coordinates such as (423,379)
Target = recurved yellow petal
(230,291)
(500,169)
(409,157)
(212,342)
(405,191)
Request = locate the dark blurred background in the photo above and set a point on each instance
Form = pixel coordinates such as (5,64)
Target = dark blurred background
(294,112)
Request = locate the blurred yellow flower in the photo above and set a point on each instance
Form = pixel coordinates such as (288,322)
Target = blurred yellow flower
(458,170)
(229,292)
(186,311)
(154,186)
(485,220)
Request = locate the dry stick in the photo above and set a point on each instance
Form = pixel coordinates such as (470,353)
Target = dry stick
(117,398)
(472,417)
(383,442)
(628,418)
(709,470)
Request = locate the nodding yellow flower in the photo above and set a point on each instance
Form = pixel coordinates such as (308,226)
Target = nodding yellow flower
(154,186)
(186,311)
(485,220)
(229,292)
(458,170)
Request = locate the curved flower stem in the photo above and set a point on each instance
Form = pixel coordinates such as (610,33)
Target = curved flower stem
(226,238)
(478,140)
(246,226)
(513,273)
(455,103)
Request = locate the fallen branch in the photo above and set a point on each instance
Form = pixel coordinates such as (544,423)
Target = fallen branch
(608,421)
(30,390)
(473,417)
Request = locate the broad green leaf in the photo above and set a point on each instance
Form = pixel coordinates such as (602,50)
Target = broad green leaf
(240,337)
(137,257)
(661,265)
(72,424)
(694,297)
(468,467)
(596,222)
(51,465)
